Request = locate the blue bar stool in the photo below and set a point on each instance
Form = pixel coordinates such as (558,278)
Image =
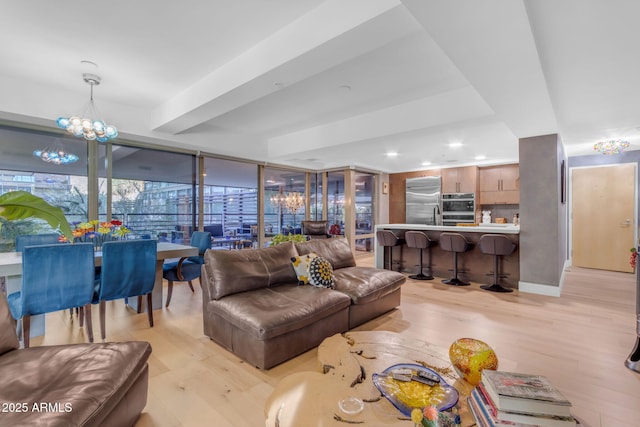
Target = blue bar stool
(420,240)
(497,245)
(455,243)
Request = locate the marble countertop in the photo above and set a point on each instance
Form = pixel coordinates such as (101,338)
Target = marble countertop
(481,228)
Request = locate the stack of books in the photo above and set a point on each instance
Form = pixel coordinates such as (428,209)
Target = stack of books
(518,400)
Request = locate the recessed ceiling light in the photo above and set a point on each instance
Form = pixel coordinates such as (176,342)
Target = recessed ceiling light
(392,154)
(481,157)
(426,163)
(455,144)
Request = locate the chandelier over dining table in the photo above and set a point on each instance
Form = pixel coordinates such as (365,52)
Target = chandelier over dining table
(88,124)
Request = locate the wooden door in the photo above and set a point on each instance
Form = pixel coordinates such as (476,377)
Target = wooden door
(602,206)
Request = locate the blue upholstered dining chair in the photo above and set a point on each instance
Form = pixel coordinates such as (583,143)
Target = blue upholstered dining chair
(187,269)
(128,270)
(35,239)
(40,239)
(54,277)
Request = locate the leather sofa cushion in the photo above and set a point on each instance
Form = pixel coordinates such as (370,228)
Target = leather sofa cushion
(92,378)
(336,250)
(270,312)
(316,228)
(8,337)
(367,284)
(230,272)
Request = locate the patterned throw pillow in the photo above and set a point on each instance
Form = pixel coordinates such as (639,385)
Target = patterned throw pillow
(321,273)
(301,266)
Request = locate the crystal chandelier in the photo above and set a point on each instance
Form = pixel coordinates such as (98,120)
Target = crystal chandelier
(613,146)
(291,202)
(87,125)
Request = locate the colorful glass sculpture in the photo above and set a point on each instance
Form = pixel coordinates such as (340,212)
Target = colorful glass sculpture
(470,356)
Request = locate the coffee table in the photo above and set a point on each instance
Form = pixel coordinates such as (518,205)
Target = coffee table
(347,362)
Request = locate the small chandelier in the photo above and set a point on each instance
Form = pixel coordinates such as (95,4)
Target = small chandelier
(613,146)
(55,154)
(86,125)
(291,202)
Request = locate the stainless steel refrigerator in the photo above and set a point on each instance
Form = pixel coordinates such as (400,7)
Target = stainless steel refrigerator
(423,204)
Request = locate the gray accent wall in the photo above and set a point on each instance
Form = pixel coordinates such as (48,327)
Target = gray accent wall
(543,217)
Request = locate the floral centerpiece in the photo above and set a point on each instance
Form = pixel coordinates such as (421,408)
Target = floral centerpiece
(97,232)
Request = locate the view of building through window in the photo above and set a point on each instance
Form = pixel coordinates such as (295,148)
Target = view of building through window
(155,192)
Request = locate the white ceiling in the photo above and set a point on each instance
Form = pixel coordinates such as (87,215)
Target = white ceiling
(324,84)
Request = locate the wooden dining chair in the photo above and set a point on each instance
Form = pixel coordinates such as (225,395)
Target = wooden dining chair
(54,277)
(187,268)
(128,270)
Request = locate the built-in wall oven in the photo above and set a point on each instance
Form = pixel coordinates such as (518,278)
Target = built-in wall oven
(458,208)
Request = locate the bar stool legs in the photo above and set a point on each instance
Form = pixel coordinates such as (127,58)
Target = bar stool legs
(420,240)
(496,245)
(455,243)
(388,239)
(455,281)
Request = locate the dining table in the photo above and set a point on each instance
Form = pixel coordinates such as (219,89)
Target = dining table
(11,269)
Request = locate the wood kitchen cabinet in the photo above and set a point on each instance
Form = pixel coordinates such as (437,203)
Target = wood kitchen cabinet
(460,180)
(500,185)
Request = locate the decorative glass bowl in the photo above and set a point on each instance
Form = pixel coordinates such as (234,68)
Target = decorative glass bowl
(470,356)
(412,394)
(351,405)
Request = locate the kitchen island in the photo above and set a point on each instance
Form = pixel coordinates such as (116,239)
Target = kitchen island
(473,265)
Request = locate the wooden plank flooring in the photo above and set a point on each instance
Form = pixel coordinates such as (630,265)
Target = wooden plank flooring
(580,341)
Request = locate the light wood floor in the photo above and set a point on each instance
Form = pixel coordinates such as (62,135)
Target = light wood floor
(579,341)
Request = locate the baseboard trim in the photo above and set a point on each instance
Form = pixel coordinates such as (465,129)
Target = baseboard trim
(540,289)
(548,290)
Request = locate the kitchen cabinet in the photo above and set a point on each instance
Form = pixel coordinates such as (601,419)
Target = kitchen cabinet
(500,185)
(460,180)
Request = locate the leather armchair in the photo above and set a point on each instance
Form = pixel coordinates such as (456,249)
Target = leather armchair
(315,229)
(97,385)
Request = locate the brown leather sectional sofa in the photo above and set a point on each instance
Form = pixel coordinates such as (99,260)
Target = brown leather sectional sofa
(102,384)
(254,307)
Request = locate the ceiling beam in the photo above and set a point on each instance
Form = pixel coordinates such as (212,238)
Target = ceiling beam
(492,44)
(303,48)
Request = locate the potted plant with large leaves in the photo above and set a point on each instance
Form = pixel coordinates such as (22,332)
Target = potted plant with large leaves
(17,205)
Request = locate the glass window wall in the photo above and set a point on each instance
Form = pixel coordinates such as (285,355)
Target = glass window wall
(335,202)
(364,209)
(63,185)
(284,201)
(230,202)
(152,193)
